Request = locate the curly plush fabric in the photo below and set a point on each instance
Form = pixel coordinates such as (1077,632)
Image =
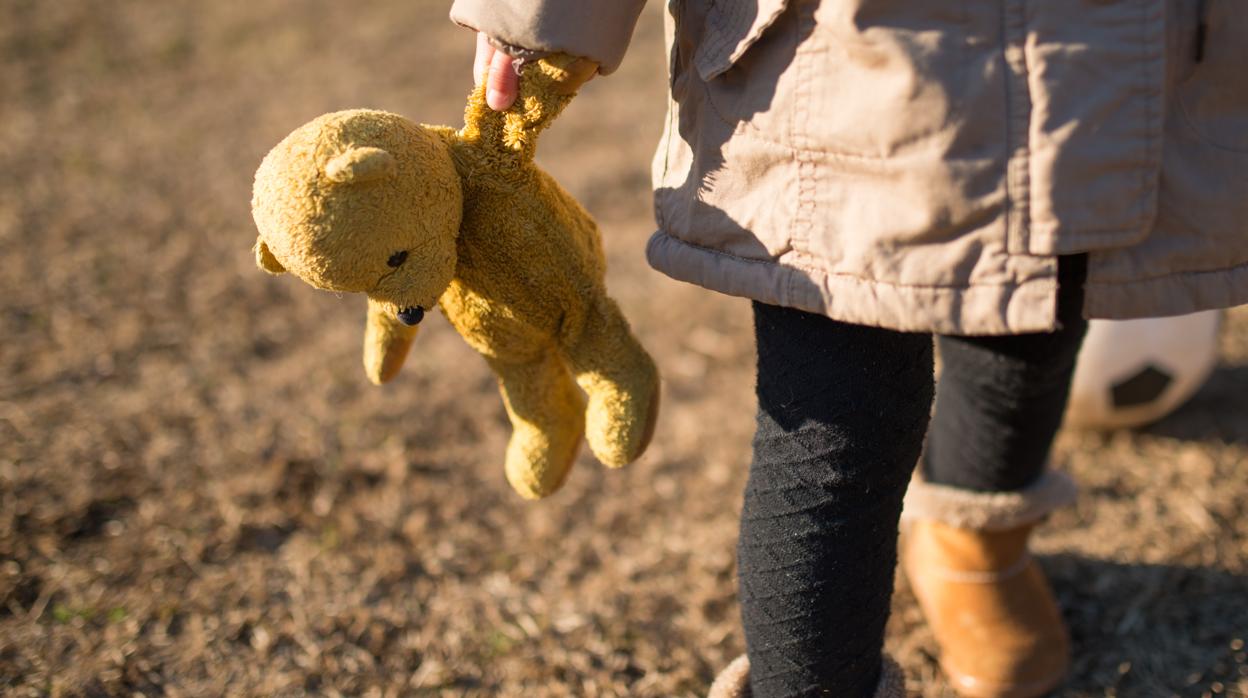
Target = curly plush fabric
(416,216)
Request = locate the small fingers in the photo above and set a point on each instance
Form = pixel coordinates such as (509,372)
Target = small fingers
(503,83)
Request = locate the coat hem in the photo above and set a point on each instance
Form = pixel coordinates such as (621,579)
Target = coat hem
(1163,296)
(978,309)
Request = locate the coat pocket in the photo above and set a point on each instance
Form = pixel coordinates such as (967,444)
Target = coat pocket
(1214,97)
(732,27)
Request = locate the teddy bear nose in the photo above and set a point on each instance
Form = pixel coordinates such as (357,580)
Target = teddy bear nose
(412,316)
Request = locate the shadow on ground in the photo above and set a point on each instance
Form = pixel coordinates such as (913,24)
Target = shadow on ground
(1144,629)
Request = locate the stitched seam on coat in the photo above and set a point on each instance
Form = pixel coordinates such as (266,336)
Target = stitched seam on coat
(840,275)
(1200,134)
(1152,159)
(745,127)
(803,221)
(1018,114)
(1174,276)
(1130,228)
(748,129)
(1148,111)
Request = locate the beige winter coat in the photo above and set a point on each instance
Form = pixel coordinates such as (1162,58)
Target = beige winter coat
(919,164)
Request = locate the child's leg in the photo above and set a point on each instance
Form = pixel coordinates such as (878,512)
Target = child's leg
(998,406)
(1001,399)
(842,413)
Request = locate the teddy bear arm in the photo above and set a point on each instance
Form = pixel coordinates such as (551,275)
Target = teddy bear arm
(511,135)
(621,380)
(386,343)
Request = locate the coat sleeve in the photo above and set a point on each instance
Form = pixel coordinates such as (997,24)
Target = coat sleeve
(595,29)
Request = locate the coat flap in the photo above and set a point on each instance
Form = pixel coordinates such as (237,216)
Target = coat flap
(732,27)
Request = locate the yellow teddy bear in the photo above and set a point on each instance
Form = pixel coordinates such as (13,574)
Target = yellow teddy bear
(413,216)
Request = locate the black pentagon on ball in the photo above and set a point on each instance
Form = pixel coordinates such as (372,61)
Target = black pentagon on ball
(1142,388)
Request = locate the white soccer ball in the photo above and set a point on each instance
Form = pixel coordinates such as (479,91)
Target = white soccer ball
(1133,372)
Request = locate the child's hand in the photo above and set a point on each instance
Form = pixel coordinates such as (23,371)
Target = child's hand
(502,82)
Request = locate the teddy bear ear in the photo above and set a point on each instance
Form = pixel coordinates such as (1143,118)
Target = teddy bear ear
(363,164)
(266,260)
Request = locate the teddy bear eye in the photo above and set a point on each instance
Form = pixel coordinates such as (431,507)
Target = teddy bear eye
(397,258)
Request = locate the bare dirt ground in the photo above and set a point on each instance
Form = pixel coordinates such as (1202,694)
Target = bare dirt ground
(201,495)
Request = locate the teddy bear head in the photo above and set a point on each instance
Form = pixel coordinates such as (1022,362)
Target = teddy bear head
(362,201)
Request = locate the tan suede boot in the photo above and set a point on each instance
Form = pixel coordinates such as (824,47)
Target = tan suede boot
(734,681)
(993,613)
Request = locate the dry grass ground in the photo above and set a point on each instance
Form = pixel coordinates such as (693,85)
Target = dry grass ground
(201,495)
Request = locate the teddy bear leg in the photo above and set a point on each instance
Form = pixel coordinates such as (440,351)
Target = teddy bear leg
(547,420)
(622,383)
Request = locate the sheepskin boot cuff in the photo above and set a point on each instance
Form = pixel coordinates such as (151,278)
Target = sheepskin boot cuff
(988,511)
(734,680)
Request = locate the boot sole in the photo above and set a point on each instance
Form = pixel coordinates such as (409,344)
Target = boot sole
(970,687)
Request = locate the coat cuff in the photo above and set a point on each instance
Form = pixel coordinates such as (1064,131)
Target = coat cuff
(595,29)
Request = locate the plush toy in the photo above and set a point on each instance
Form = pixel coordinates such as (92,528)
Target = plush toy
(413,216)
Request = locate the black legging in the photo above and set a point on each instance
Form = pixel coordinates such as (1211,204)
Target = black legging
(842,414)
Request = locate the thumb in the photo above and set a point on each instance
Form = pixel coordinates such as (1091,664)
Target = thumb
(502,84)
